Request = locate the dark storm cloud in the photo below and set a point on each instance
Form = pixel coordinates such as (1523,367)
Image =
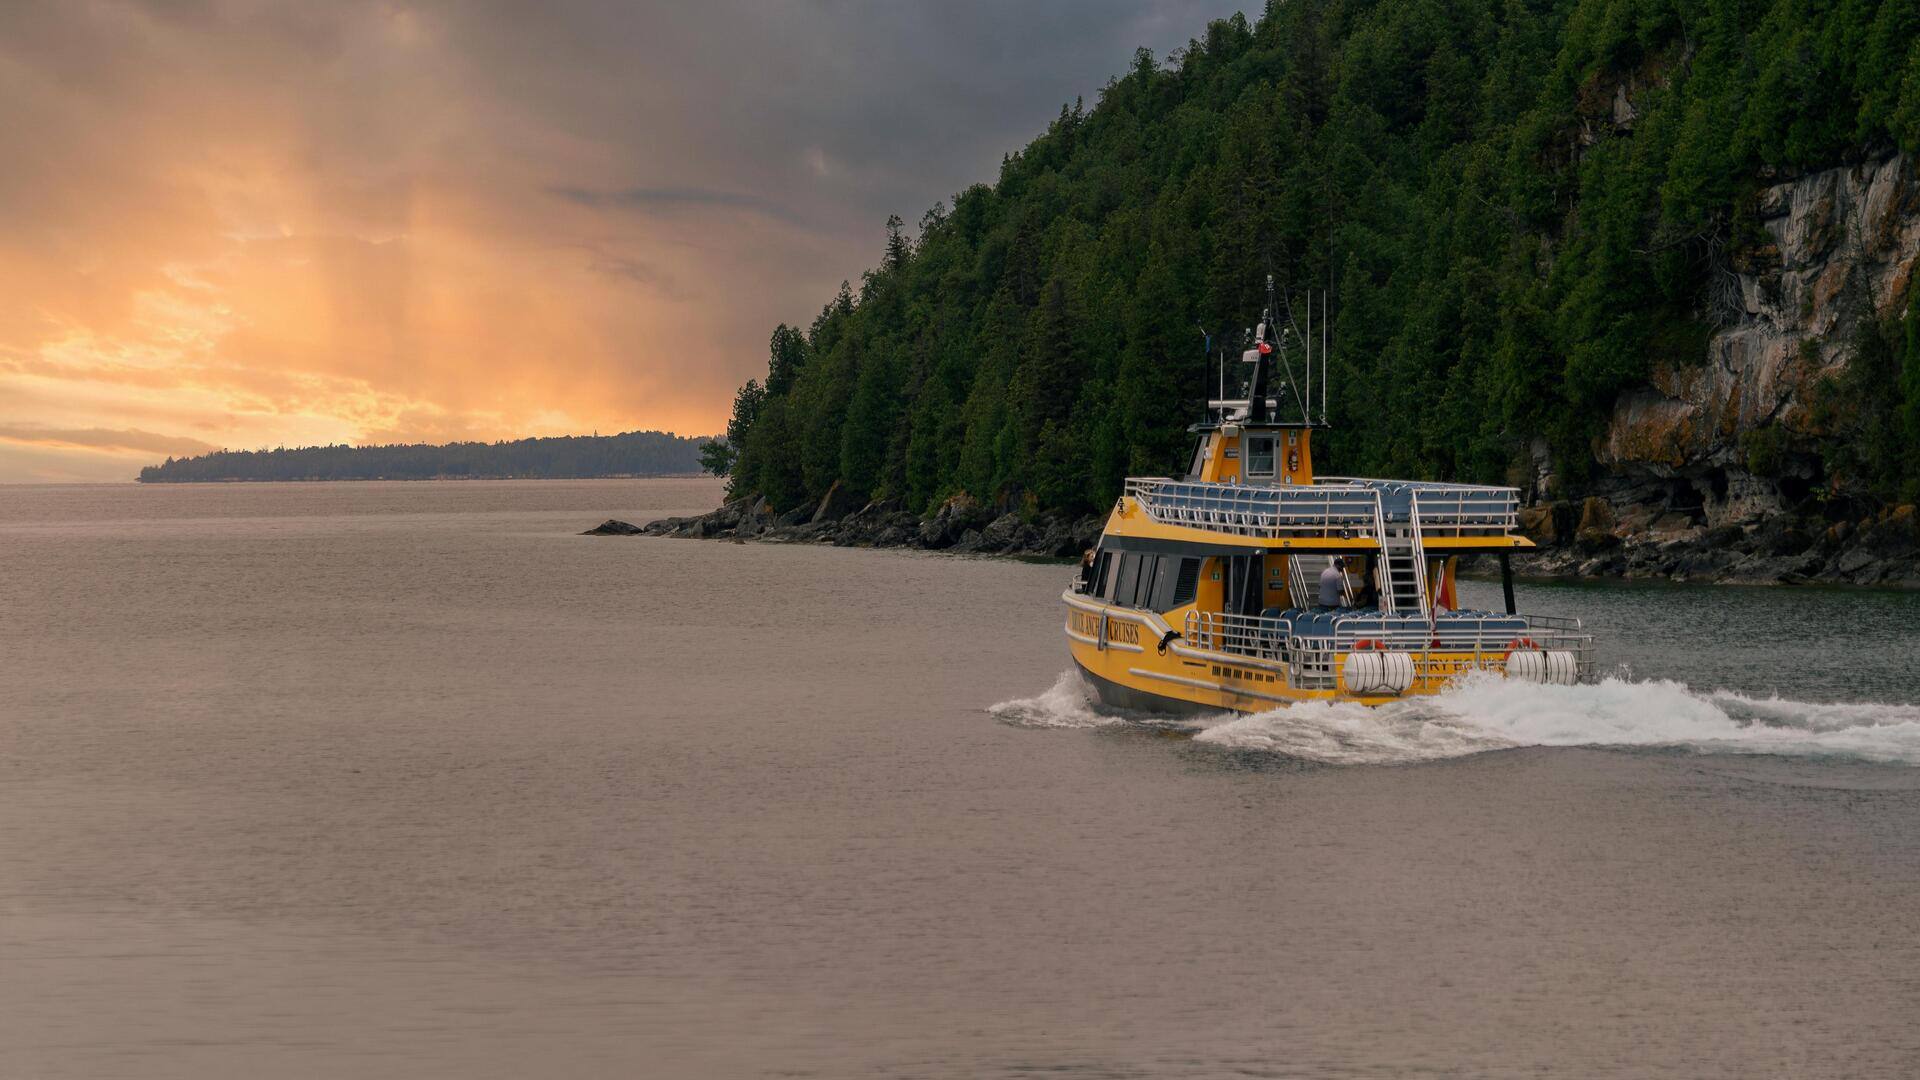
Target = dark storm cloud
(833,114)
(639,273)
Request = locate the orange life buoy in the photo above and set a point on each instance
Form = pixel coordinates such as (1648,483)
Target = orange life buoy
(1365,643)
(1521,643)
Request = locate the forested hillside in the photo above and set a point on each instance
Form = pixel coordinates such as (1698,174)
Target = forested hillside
(634,453)
(1523,207)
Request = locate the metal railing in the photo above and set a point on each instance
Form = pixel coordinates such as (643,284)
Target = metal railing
(1255,510)
(1243,635)
(1452,648)
(1443,508)
(1462,513)
(1329,507)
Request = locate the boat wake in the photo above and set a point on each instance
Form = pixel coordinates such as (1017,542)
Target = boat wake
(1064,705)
(1491,713)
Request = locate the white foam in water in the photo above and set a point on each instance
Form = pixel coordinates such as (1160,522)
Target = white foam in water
(1064,705)
(1491,713)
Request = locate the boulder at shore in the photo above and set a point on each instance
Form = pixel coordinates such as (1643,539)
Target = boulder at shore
(613,527)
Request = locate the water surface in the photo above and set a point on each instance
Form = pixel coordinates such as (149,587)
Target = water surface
(407,780)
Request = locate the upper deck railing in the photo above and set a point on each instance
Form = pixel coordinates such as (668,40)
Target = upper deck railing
(1246,510)
(1465,509)
(1331,507)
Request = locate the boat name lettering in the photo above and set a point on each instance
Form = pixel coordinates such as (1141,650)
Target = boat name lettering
(1119,630)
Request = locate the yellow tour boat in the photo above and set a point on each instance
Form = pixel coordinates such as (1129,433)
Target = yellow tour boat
(1253,583)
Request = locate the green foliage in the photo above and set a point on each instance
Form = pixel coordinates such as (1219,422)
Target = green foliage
(1518,204)
(1870,412)
(1766,450)
(716,457)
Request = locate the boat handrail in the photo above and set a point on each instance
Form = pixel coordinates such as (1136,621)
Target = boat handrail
(1325,509)
(1311,658)
(1437,506)
(1249,510)
(1423,485)
(1313,661)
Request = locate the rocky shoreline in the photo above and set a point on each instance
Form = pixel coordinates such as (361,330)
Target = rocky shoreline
(962,525)
(1587,539)
(1590,539)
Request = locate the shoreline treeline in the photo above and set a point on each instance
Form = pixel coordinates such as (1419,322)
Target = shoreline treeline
(634,453)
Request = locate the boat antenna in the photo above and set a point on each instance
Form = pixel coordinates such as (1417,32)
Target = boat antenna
(1206,350)
(1306,404)
(1257,383)
(1267,320)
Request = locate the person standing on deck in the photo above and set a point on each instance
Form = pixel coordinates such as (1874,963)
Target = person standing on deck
(1333,584)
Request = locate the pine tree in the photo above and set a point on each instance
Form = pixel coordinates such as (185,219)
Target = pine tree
(898,246)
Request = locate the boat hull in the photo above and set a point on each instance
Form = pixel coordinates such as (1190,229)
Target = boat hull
(1131,660)
(1114,695)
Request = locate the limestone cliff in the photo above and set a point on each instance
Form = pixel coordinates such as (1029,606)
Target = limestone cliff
(1840,245)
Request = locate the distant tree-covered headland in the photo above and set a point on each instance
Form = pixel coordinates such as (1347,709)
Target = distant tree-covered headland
(1521,207)
(635,453)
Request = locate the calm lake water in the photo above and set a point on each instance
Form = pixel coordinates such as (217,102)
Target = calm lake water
(407,780)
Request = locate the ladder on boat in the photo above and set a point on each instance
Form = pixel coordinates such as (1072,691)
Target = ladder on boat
(1403,565)
(1402,568)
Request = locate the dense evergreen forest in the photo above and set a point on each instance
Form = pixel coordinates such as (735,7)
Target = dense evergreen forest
(1503,258)
(635,453)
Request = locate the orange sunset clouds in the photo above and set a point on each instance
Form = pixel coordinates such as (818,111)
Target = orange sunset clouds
(251,224)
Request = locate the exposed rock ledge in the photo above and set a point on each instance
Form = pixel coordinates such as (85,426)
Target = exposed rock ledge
(1589,539)
(962,525)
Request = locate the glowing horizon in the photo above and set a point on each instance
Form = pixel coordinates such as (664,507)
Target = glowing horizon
(246,224)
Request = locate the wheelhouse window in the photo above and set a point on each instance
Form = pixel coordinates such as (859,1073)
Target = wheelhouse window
(1143,591)
(1150,582)
(1129,576)
(1259,455)
(1185,585)
(1173,583)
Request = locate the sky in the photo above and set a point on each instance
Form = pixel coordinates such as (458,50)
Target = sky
(246,223)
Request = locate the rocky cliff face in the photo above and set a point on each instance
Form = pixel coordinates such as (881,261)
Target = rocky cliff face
(1841,245)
